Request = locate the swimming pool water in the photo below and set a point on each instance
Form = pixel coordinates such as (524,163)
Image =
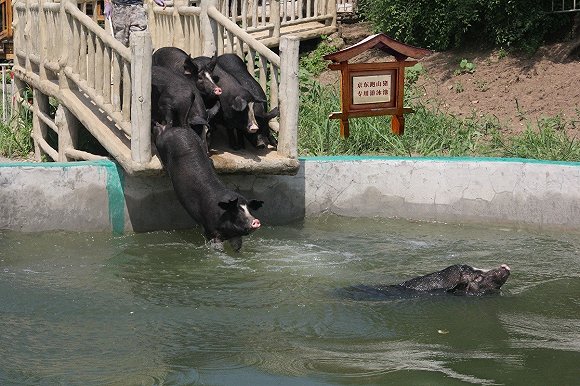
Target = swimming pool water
(163,308)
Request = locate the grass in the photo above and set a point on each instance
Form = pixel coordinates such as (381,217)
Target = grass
(428,131)
(16,135)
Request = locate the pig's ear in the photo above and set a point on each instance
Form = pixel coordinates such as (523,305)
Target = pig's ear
(189,67)
(197,120)
(255,204)
(239,104)
(272,114)
(213,111)
(259,99)
(230,205)
(212,63)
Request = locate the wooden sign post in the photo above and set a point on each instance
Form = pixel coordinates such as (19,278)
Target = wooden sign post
(372,89)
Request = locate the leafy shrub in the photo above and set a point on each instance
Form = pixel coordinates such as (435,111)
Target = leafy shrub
(443,24)
(16,134)
(465,66)
(313,62)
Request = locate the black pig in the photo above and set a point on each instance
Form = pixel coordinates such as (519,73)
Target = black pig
(458,279)
(223,213)
(236,116)
(178,61)
(235,66)
(175,101)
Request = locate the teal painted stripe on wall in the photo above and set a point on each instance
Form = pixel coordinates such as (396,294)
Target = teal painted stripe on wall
(434,159)
(115,191)
(115,183)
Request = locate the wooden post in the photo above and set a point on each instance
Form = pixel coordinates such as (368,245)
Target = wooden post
(66,46)
(140,44)
(18,88)
(398,124)
(42,36)
(178,37)
(331,5)
(68,126)
(151,24)
(398,121)
(39,128)
(27,37)
(275,17)
(208,28)
(288,96)
(345,92)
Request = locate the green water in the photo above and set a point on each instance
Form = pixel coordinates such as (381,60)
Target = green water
(162,308)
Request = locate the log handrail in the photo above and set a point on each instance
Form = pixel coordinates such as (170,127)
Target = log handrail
(256,45)
(94,28)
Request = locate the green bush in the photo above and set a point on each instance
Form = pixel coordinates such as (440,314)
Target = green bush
(444,24)
(16,135)
(313,61)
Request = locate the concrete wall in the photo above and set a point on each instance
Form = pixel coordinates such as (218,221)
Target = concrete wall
(93,196)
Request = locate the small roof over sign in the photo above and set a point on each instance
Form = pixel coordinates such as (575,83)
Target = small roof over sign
(400,51)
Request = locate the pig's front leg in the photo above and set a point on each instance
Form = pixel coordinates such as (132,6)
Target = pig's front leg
(236,243)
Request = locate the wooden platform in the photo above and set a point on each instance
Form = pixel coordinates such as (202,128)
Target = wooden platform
(308,30)
(253,161)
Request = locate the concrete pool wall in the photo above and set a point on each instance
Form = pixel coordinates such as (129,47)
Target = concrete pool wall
(98,196)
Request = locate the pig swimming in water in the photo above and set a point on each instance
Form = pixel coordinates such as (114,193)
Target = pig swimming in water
(458,279)
(223,213)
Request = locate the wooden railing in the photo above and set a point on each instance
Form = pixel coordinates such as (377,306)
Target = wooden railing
(258,15)
(267,20)
(62,53)
(561,6)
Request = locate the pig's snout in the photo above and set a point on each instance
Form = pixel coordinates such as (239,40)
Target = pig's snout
(255,223)
(505,266)
(217,91)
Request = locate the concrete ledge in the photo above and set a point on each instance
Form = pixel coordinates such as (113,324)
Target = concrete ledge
(507,191)
(98,196)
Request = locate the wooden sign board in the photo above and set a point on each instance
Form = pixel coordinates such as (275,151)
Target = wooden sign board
(373,89)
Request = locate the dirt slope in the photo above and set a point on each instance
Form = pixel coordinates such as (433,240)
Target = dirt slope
(513,88)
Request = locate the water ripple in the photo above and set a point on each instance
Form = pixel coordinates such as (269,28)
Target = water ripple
(534,331)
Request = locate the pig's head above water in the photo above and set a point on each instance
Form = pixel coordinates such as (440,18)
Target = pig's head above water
(236,221)
(236,218)
(476,281)
(461,279)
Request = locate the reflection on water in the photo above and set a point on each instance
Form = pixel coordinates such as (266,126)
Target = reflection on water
(162,308)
